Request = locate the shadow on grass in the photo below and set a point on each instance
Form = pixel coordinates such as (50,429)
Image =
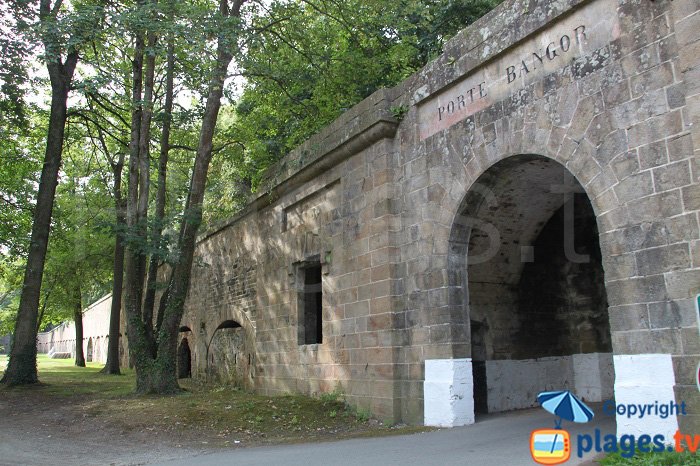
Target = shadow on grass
(218,415)
(61,378)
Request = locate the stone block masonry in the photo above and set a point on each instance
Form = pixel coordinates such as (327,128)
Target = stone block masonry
(537,203)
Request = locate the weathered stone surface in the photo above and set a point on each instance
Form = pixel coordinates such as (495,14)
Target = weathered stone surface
(673,314)
(663,259)
(629,317)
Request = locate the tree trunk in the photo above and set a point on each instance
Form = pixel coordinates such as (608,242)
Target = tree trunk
(78,318)
(133,279)
(166,366)
(149,301)
(112,365)
(145,173)
(21,368)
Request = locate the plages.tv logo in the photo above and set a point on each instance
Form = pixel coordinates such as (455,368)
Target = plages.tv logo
(553,446)
(550,446)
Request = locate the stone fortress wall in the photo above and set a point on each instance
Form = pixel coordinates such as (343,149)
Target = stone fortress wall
(520,215)
(522,210)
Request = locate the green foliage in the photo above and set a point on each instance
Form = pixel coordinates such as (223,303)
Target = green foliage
(21,155)
(10,285)
(81,239)
(363,415)
(21,152)
(664,458)
(399,112)
(79,259)
(332,397)
(306,62)
(14,74)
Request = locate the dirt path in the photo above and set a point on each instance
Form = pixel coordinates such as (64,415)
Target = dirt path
(78,416)
(36,432)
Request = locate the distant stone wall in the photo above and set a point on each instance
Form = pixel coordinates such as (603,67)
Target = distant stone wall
(95,333)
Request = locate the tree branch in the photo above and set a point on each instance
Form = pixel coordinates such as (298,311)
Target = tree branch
(182,147)
(14,204)
(229,143)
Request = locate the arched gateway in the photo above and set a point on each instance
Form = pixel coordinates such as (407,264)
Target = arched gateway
(520,215)
(525,271)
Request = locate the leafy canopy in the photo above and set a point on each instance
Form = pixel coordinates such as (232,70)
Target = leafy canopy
(307,61)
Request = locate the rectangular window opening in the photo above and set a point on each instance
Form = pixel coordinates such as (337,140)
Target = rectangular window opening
(311,305)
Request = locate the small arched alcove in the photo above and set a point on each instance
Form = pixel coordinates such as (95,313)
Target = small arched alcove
(88,356)
(184,360)
(229,355)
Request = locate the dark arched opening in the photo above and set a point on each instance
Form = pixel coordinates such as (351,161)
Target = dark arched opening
(526,251)
(184,360)
(228,324)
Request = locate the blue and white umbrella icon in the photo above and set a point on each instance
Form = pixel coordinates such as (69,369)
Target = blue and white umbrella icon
(565,405)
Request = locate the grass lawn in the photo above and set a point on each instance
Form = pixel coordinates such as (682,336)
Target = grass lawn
(652,459)
(217,416)
(60,377)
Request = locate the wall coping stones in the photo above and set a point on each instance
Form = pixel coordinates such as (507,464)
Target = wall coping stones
(360,127)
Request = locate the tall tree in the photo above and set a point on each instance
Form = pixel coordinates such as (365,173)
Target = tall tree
(155,357)
(105,121)
(61,54)
(78,319)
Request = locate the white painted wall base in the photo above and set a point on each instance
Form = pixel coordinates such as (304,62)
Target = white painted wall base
(594,376)
(448,393)
(448,389)
(514,384)
(644,379)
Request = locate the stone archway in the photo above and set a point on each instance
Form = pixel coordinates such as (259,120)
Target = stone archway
(527,252)
(230,355)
